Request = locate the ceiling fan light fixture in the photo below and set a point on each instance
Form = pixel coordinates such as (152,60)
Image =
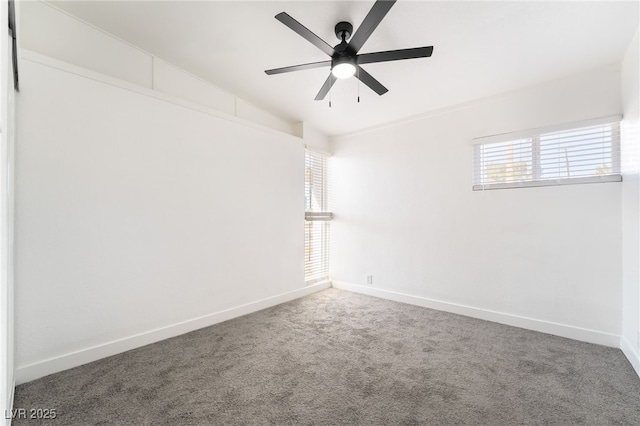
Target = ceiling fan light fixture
(343,67)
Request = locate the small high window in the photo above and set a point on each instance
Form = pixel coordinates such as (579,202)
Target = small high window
(575,153)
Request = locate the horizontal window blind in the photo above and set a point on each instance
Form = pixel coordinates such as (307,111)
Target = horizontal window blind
(316,235)
(316,251)
(583,154)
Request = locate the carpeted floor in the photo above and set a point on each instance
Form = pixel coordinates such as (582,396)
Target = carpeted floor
(339,358)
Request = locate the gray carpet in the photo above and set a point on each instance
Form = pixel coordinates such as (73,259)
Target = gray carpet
(338,358)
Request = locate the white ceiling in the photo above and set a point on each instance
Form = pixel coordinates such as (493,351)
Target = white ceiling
(480,49)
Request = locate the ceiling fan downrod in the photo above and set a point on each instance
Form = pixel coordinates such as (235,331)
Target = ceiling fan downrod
(343,31)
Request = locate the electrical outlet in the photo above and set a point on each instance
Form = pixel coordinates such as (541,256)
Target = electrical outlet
(369,279)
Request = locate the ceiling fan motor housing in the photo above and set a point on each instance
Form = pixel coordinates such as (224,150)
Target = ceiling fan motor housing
(341,51)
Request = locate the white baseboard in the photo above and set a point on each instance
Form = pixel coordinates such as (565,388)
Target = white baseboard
(27,373)
(631,354)
(562,330)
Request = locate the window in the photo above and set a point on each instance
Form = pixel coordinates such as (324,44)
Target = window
(317,218)
(577,153)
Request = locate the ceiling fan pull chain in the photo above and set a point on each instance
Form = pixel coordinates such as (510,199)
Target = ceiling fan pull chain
(329,98)
(358,84)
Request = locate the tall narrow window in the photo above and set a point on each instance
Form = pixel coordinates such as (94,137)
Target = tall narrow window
(317,218)
(575,153)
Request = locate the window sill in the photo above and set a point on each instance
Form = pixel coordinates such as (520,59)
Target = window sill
(550,182)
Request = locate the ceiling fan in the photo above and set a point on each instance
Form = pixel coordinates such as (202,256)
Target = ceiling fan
(345,60)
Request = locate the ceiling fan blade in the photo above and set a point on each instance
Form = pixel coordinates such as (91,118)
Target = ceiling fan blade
(299,67)
(305,33)
(373,84)
(395,55)
(326,87)
(371,21)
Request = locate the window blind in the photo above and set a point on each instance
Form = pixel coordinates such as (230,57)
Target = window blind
(316,235)
(582,153)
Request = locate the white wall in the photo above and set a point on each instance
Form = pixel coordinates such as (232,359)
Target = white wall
(52,32)
(544,258)
(134,214)
(313,138)
(175,82)
(630,128)
(248,111)
(49,31)
(7,129)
